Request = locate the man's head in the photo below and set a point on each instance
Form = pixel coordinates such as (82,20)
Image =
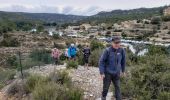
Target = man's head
(116,40)
(72,45)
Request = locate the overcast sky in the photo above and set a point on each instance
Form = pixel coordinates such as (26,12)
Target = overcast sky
(76,7)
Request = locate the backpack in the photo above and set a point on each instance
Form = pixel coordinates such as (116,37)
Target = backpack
(86,51)
(72,51)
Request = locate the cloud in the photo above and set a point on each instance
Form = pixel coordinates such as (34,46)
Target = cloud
(52,9)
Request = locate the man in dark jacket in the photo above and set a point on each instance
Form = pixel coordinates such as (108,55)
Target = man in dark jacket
(86,53)
(112,66)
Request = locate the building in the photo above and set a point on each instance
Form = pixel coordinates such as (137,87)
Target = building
(85,26)
(167,11)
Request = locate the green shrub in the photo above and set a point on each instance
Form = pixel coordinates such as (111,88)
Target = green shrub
(166,18)
(56,36)
(150,76)
(10,42)
(127,87)
(60,77)
(18,87)
(49,91)
(155,20)
(72,64)
(164,96)
(53,91)
(33,81)
(95,44)
(80,58)
(74,93)
(168,32)
(12,61)
(6,75)
(95,56)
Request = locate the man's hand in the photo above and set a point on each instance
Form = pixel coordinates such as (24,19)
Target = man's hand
(123,74)
(102,76)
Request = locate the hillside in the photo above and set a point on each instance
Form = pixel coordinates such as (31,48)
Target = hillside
(108,17)
(46,17)
(122,15)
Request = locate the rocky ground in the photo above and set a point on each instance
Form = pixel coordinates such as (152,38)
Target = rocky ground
(88,80)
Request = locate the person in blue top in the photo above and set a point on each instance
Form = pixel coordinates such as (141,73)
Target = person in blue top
(72,51)
(112,66)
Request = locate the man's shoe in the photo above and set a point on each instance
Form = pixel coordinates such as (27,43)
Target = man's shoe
(103,98)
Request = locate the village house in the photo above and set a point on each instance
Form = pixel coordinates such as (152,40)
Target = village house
(93,29)
(167,11)
(85,26)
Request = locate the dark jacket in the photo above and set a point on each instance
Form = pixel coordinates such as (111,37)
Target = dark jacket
(112,61)
(86,52)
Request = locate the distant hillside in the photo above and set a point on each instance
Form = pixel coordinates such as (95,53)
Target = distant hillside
(46,17)
(107,17)
(122,15)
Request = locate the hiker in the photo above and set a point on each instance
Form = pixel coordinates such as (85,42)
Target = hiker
(66,54)
(72,51)
(112,67)
(55,55)
(86,53)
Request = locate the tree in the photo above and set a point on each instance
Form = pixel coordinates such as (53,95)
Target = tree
(40,28)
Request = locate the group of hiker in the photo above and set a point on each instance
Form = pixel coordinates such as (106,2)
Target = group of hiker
(111,64)
(70,54)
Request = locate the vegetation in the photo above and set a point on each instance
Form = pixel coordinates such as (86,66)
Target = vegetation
(149,76)
(9,41)
(117,16)
(72,64)
(156,20)
(95,44)
(6,76)
(166,18)
(57,87)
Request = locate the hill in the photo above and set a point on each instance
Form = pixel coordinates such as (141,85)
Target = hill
(45,17)
(122,15)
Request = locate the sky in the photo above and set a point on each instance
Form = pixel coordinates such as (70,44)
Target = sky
(76,7)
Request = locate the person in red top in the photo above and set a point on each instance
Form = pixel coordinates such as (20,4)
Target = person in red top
(55,55)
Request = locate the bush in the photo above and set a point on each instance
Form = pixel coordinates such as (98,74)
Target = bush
(56,36)
(156,20)
(166,18)
(151,77)
(127,88)
(49,91)
(33,81)
(60,77)
(164,96)
(10,42)
(168,32)
(95,44)
(6,75)
(72,64)
(74,94)
(53,91)
(12,61)
(17,87)
(80,58)
(95,56)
